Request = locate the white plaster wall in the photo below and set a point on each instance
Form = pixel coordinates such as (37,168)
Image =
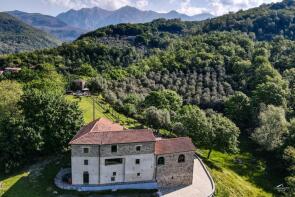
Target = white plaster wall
(106,172)
(146,168)
(78,168)
(127,172)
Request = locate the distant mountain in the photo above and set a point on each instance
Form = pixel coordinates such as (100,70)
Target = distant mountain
(49,24)
(16,36)
(93,18)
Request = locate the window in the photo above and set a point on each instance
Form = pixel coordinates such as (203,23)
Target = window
(115,161)
(114,148)
(137,161)
(113,179)
(114,173)
(181,159)
(86,162)
(85,150)
(138,174)
(161,161)
(85,177)
(138,148)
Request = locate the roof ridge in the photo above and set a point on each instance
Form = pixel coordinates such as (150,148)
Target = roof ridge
(96,121)
(174,138)
(78,137)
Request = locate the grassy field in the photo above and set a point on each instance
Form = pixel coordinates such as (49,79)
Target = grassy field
(37,181)
(102,109)
(246,174)
(239,175)
(233,179)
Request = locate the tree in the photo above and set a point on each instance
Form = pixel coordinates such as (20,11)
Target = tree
(10,93)
(165,99)
(223,134)
(87,70)
(270,93)
(157,118)
(273,128)
(48,79)
(237,108)
(264,71)
(54,118)
(289,76)
(19,143)
(291,135)
(98,84)
(289,157)
(195,123)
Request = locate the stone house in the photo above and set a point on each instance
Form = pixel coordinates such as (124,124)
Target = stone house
(104,152)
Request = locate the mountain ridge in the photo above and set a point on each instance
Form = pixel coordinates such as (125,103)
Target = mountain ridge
(96,17)
(49,24)
(17,36)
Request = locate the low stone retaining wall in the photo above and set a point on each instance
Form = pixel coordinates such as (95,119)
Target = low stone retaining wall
(209,175)
(120,186)
(59,182)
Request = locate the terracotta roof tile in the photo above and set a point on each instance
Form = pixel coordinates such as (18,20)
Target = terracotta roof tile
(104,124)
(99,125)
(174,145)
(104,131)
(118,137)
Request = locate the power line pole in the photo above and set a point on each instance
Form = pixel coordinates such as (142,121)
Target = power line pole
(93,108)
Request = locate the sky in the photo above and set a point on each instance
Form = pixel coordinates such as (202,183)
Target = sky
(189,7)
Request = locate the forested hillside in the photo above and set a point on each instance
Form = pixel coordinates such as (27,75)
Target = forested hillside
(49,24)
(219,84)
(16,36)
(266,22)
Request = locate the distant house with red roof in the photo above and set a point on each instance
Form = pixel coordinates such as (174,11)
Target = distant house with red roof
(104,152)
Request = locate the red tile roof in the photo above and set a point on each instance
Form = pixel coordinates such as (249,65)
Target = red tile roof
(118,137)
(99,125)
(174,145)
(104,131)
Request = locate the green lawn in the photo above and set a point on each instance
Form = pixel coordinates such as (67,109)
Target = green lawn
(233,179)
(102,109)
(39,183)
(243,174)
(247,178)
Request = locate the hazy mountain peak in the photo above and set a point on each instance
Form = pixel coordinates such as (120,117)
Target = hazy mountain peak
(96,17)
(48,24)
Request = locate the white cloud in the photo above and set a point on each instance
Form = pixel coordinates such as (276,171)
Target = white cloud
(142,4)
(77,4)
(192,10)
(219,7)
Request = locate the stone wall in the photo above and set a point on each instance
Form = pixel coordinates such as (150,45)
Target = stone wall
(77,151)
(127,149)
(125,172)
(172,173)
(78,168)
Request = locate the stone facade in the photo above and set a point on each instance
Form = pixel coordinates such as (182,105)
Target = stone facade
(127,149)
(127,171)
(172,173)
(77,151)
(105,153)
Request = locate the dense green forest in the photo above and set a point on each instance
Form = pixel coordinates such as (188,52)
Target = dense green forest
(214,81)
(16,36)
